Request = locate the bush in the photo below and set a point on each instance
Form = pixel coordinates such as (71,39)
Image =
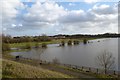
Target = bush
(36,45)
(69,42)
(62,43)
(5,47)
(28,46)
(85,41)
(44,45)
(76,42)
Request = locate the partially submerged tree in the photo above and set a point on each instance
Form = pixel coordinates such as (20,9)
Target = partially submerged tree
(62,43)
(85,41)
(69,42)
(105,60)
(76,42)
(44,45)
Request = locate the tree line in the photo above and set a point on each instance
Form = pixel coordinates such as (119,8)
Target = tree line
(43,37)
(9,39)
(106,35)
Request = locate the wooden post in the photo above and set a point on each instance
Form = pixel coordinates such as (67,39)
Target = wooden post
(114,73)
(48,62)
(76,67)
(105,71)
(82,68)
(89,69)
(97,71)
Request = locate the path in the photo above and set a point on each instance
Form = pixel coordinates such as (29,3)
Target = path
(68,72)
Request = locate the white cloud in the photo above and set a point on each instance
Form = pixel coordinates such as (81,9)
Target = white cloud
(13,25)
(49,15)
(73,16)
(92,1)
(101,18)
(9,11)
(4,29)
(104,9)
(95,1)
(20,25)
(45,14)
(71,4)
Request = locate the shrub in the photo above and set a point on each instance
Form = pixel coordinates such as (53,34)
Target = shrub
(62,43)
(36,45)
(44,45)
(28,46)
(5,47)
(69,42)
(85,41)
(76,42)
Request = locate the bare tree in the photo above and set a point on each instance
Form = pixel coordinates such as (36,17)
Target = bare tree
(105,60)
(39,51)
(56,61)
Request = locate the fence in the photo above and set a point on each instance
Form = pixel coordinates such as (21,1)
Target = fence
(93,70)
(81,68)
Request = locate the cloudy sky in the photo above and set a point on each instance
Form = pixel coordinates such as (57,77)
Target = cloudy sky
(35,18)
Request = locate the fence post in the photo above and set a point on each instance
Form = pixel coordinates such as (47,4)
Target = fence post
(76,67)
(97,70)
(69,65)
(82,68)
(114,73)
(89,69)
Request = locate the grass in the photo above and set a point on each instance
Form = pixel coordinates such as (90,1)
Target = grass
(18,45)
(0,68)
(33,67)
(12,69)
(87,73)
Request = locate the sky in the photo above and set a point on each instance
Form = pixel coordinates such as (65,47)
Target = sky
(19,18)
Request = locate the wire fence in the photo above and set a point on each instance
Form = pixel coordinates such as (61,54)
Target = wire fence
(81,68)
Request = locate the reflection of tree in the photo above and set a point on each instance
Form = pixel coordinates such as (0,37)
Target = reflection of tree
(56,61)
(39,51)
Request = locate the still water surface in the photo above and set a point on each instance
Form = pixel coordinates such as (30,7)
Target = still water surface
(81,55)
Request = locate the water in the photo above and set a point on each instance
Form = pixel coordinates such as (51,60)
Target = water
(81,55)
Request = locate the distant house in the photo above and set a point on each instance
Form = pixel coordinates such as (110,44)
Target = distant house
(59,37)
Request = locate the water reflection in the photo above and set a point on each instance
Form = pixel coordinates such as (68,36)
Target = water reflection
(81,55)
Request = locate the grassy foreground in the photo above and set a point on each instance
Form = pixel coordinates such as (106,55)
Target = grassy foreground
(12,69)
